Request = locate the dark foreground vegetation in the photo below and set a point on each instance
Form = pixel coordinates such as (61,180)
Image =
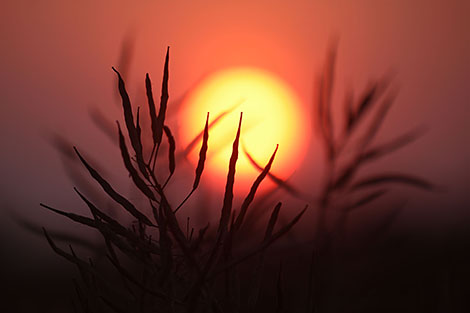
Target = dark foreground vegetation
(160,263)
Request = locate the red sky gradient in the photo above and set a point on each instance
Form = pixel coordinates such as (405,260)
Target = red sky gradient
(57,57)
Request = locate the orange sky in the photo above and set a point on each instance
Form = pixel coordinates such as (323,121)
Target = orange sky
(57,57)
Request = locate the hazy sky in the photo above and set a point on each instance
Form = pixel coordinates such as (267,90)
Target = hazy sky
(57,57)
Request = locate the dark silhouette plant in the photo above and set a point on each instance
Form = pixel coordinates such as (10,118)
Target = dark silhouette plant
(163,267)
(178,270)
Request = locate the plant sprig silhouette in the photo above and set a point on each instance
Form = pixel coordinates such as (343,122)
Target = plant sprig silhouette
(162,266)
(178,270)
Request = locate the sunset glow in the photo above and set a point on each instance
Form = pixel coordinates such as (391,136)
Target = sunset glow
(271,116)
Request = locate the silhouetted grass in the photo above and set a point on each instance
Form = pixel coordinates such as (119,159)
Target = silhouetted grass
(178,271)
(161,266)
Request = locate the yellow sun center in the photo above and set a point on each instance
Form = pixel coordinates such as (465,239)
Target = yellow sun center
(271,116)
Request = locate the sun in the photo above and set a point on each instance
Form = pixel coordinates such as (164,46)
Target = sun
(271,115)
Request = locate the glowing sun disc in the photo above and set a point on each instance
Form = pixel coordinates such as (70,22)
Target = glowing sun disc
(271,115)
